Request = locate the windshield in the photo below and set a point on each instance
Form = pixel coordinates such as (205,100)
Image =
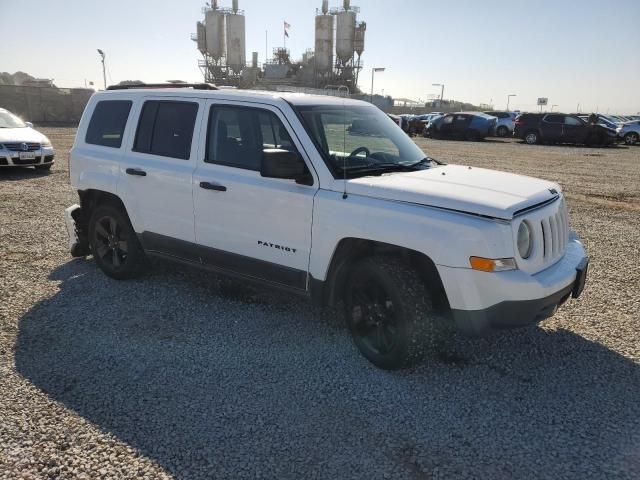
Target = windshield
(9,120)
(360,140)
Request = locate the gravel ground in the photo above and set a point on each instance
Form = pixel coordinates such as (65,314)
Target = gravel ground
(181,375)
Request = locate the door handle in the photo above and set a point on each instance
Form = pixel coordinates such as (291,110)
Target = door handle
(136,171)
(213,186)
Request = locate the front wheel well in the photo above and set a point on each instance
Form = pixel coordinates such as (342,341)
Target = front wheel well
(349,251)
(90,199)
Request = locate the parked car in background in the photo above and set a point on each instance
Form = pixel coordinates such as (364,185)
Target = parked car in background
(22,145)
(629,132)
(462,125)
(506,122)
(602,120)
(561,128)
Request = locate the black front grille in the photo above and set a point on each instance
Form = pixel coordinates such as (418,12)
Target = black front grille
(17,147)
(33,161)
(3,161)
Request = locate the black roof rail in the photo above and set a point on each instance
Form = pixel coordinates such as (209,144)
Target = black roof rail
(195,86)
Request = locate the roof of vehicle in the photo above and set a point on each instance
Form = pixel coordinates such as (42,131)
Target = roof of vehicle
(236,94)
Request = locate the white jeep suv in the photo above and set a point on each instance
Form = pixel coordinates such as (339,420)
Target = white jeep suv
(283,189)
(22,145)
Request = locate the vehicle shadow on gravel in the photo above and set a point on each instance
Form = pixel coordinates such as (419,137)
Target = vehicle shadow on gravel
(21,173)
(210,385)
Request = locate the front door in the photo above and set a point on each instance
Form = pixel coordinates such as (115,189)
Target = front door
(575,130)
(251,225)
(156,179)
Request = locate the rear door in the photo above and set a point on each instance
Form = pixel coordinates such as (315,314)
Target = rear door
(156,177)
(248,224)
(551,127)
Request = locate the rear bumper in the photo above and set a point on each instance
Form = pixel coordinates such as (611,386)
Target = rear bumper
(482,302)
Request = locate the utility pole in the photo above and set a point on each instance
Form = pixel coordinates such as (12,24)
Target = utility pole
(441,91)
(104,71)
(373,71)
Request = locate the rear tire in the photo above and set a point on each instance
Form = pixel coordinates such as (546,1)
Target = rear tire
(502,131)
(114,244)
(391,316)
(531,138)
(631,138)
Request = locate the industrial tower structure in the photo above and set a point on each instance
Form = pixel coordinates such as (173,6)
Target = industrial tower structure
(335,62)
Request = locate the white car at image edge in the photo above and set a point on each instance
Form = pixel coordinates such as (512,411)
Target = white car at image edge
(282,189)
(23,146)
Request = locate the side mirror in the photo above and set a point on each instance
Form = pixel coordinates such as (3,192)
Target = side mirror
(29,124)
(278,163)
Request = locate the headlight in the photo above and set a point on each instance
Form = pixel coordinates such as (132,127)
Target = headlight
(524,240)
(46,144)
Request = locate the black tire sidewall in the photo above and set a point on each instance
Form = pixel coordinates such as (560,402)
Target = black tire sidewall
(396,358)
(132,264)
(632,138)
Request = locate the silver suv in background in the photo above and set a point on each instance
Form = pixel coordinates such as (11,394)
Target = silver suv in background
(506,122)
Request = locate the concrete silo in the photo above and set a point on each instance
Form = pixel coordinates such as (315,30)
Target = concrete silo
(236,49)
(324,40)
(345,35)
(214,28)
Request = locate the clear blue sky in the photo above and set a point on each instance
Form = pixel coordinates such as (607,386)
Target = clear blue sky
(580,51)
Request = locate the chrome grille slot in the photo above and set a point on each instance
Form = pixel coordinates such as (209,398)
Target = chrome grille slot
(17,147)
(551,235)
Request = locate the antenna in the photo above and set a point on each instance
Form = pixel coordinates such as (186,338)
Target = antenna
(344,149)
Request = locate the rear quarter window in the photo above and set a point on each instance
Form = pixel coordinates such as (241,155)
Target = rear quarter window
(108,122)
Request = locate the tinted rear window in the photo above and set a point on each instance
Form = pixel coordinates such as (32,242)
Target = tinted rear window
(166,128)
(108,122)
(554,118)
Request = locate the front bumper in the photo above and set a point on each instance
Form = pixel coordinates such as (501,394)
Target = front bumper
(78,243)
(483,302)
(43,156)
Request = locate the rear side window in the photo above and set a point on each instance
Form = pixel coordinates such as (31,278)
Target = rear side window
(554,118)
(237,136)
(165,128)
(107,123)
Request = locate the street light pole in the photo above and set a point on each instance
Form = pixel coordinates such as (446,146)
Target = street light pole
(104,74)
(509,98)
(373,71)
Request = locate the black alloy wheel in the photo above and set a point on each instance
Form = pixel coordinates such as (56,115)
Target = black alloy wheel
(114,244)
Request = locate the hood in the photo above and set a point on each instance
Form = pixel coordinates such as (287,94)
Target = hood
(24,134)
(467,189)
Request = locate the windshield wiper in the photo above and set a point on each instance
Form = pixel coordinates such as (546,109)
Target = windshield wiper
(425,161)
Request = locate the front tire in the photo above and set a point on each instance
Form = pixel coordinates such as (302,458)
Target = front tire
(631,138)
(114,244)
(391,315)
